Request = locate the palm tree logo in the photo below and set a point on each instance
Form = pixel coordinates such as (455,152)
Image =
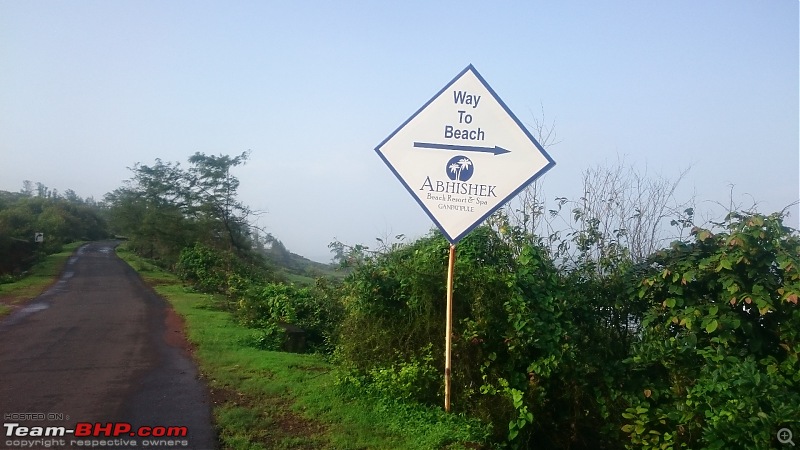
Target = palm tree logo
(459,168)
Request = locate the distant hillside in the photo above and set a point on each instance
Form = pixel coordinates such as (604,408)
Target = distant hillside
(297,268)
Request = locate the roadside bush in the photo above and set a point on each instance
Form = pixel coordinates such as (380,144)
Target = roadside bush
(313,309)
(219,272)
(509,337)
(717,365)
(407,380)
(394,305)
(268,337)
(404,381)
(538,350)
(272,303)
(320,315)
(62,221)
(205,268)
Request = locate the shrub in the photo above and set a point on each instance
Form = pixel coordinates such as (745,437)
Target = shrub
(314,309)
(205,268)
(718,360)
(220,272)
(395,310)
(537,352)
(268,337)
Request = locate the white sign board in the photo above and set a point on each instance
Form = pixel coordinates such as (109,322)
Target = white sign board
(463,155)
(38,237)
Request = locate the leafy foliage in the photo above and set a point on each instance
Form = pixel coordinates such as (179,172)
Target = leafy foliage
(528,351)
(164,208)
(219,271)
(151,210)
(718,359)
(589,338)
(261,303)
(696,346)
(61,219)
(191,220)
(403,380)
(267,306)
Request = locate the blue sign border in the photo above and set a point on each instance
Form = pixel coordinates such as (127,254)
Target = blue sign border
(550,163)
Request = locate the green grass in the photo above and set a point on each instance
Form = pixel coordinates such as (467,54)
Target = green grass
(275,400)
(36,281)
(300,280)
(309,280)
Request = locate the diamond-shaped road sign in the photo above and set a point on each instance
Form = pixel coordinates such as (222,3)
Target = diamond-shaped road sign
(463,155)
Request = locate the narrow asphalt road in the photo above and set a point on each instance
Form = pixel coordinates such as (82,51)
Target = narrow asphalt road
(93,349)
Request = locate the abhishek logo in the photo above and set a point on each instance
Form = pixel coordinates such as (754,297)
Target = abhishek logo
(460,168)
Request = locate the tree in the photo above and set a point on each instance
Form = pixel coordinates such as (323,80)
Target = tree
(72,197)
(61,221)
(213,192)
(152,209)
(164,208)
(27,188)
(622,215)
(526,211)
(42,190)
(622,211)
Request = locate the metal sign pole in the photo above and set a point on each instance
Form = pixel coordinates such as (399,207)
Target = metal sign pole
(449,327)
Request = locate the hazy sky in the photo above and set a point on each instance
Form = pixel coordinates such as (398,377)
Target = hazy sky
(88,88)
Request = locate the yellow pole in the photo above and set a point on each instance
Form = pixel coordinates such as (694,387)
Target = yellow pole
(449,327)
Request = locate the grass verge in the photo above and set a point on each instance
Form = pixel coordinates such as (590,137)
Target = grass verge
(274,400)
(38,279)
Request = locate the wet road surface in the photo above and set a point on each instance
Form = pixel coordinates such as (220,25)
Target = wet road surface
(92,349)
